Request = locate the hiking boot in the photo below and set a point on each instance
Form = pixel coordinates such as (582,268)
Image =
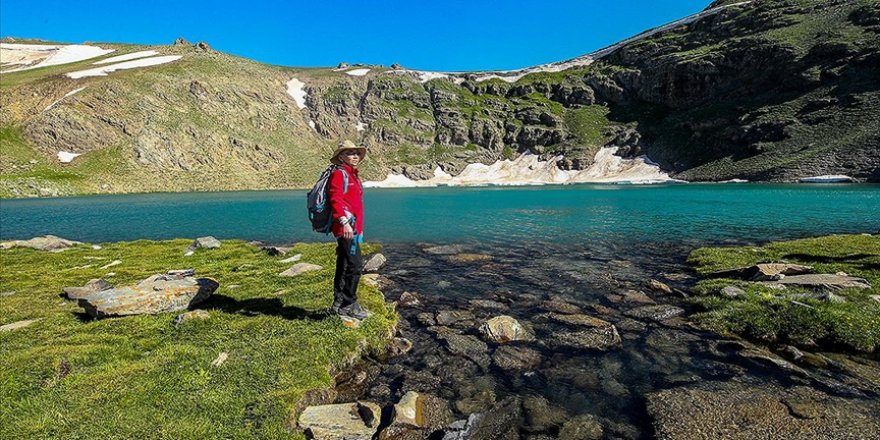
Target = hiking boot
(354,311)
(335,308)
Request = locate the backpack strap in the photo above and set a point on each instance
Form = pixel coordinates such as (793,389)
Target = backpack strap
(344,179)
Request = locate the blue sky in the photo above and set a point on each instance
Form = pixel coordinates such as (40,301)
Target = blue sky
(429,35)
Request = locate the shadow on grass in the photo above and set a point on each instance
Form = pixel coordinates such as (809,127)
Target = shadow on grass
(261,306)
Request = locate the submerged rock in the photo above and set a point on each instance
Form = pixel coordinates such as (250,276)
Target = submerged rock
(93,286)
(448,249)
(600,338)
(49,243)
(516,358)
(503,329)
(157,294)
(659,287)
(343,421)
(582,427)
(659,312)
(448,317)
(734,410)
(466,346)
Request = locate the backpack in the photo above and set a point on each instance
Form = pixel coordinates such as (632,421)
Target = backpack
(318,203)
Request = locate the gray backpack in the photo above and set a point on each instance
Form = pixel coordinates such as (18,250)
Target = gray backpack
(320,211)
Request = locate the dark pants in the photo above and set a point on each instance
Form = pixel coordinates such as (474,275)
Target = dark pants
(348,271)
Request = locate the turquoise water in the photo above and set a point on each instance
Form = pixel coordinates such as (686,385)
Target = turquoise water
(552,214)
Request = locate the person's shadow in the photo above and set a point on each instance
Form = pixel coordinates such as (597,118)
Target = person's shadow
(261,306)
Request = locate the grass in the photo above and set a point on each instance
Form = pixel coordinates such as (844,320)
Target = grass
(587,123)
(140,377)
(781,316)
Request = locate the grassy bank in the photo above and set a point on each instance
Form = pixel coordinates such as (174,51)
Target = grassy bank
(786,316)
(67,376)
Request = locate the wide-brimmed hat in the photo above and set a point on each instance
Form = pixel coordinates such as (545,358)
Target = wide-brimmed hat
(347,145)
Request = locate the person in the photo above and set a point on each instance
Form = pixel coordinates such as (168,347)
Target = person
(347,206)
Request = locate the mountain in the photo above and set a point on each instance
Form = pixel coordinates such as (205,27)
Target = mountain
(769,90)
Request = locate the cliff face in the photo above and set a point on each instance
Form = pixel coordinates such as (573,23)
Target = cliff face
(765,90)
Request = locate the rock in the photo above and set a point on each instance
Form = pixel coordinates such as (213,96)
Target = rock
(468,258)
(111,264)
(18,325)
(500,422)
(426,319)
(740,411)
(8,293)
(579,319)
(220,360)
(732,291)
(93,286)
(659,287)
(350,322)
(541,415)
(157,294)
(503,329)
(292,259)
(189,253)
(636,296)
(49,243)
(191,316)
(448,317)
(582,427)
(659,312)
(409,299)
(765,358)
(559,306)
(374,263)
(343,421)
(180,273)
(449,249)
(370,279)
(205,243)
(275,251)
(487,304)
(762,272)
(467,346)
(398,347)
(408,411)
(516,358)
(300,268)
(602,338)
(424,412)
(463,429)
(821,282)
(352,382)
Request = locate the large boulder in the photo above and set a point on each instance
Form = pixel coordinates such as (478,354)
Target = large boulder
(343,421)
(503,329)
(157,294)
(49,243)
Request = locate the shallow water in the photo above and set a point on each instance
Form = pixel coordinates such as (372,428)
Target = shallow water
(581,244)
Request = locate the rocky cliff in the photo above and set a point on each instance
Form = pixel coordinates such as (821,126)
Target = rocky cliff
(761,90)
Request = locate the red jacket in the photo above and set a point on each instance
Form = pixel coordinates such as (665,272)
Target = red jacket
(346,203)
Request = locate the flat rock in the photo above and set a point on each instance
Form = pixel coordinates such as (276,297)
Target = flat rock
(487,304)
(448,249)
(601,338)
(503,329)
(510,357)
(49,243)
(660,312)
(93,286)
(343,421)
(560,306)
(732,291)
(157,294)
(743,411)
(208,242)
(659,287)
(579,320)
(448,317)
(18,325)
(468,258)
(466,346)
(375,262)
(822,281)
(763,271)
(300,268)
(292,259)
(636,296)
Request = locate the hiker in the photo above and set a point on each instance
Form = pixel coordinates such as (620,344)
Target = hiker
(346,196)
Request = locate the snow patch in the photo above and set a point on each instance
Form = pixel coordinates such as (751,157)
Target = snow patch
(66,157)
(361,126)
(70,93)
(296,91)
(529,169)
(46,55)
(103,71)
(357,72)
(128,56)
(734,181)
(312,124)
(831,178)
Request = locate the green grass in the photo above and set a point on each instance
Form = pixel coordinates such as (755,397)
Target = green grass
(139,377)
(587,123)
(779,316)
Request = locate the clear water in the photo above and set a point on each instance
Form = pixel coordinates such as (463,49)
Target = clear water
(552,214)
(582,244)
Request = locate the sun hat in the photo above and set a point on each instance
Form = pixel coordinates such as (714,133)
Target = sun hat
(347,145)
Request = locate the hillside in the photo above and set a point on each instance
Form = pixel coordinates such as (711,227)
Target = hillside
(763,90)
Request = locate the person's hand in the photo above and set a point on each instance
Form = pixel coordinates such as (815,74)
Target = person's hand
(347,231)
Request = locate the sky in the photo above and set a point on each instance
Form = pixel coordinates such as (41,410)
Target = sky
(427,35)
